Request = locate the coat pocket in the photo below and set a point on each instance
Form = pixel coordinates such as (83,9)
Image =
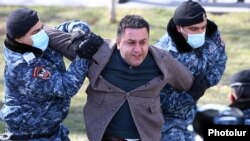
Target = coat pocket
(156,113)
(154,108)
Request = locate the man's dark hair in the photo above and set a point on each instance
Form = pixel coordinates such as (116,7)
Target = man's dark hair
(132,21)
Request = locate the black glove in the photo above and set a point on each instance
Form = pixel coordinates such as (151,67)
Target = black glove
(84,45)
(198,87)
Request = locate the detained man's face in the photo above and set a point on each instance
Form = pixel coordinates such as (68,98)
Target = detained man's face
(133,45)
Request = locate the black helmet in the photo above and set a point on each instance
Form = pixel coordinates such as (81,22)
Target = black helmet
(240,81)
(214,115)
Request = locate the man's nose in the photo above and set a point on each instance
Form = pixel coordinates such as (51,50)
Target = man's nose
(137,48)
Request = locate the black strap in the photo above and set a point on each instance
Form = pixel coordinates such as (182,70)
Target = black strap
(34,136)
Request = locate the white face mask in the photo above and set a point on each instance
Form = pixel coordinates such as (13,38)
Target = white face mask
(195,40)
(40,40)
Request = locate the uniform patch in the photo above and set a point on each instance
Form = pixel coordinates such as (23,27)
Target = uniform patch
(41,73)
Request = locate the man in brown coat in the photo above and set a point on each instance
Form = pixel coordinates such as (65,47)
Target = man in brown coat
(126,77)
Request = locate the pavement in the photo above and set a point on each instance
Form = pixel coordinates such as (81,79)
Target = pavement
(221,6)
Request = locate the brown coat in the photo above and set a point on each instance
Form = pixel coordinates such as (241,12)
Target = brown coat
(105,99)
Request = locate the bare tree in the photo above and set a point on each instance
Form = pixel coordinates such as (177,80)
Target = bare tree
(112,11)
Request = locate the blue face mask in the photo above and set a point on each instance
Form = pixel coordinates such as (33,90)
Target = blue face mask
(195,40)
(40,40)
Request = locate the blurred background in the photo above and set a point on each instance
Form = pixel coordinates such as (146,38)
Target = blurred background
(232,17)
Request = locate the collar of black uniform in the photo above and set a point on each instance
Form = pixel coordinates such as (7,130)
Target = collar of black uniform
(242,104)
(181,44)
(19,47)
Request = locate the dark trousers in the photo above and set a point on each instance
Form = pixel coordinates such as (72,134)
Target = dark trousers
(112,138)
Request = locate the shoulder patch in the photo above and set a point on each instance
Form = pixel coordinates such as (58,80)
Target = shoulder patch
(41,73)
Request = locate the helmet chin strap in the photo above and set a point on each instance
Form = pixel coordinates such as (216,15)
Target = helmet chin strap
(239,88)
(232,98)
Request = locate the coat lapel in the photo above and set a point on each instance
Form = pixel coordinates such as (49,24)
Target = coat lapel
(99,61)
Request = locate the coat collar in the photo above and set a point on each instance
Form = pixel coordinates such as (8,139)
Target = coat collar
(159,56)
(100,60)
(242,104)
(14,46)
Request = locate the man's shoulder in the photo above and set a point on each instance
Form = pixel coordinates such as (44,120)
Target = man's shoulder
(105,51)
(109,42)
(108,45)
(13,57)
(160,55)
(158,51)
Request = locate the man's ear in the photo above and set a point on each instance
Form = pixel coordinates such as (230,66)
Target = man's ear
(19,40)
(118,41)
(178,28)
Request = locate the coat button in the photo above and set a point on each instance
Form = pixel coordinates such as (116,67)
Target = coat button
(127,94)
(114,109)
